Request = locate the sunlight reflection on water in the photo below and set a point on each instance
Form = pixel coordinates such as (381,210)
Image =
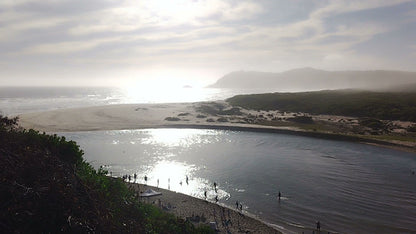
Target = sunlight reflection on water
(320,178)
(163,170)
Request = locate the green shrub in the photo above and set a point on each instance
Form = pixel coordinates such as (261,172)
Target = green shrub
(47,187)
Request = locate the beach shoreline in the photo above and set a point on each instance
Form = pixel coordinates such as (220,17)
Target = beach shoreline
(175,115)
(203,212)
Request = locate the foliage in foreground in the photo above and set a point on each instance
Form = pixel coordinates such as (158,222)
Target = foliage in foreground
(380,105)
(47,187)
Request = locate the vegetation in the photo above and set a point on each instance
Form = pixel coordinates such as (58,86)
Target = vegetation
(172,119)
(301,119)
(222,119)
(199,116)
(215,108)
(380,105)
(47,187)
(372,123)
(412,128)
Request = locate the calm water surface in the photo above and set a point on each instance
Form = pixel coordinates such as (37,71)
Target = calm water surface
(349,187)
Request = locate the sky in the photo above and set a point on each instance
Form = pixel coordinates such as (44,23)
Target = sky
(196,42)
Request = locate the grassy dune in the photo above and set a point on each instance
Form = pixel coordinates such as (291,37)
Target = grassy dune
(380,105)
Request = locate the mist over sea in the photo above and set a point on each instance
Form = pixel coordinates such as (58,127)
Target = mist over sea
(18,100)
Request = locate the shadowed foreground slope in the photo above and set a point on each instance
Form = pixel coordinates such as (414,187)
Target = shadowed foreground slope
(47,187)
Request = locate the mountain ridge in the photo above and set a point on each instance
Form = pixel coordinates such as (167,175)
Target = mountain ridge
(314,79)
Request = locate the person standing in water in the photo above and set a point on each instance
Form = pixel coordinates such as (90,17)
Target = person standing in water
(279,195)
(318,226)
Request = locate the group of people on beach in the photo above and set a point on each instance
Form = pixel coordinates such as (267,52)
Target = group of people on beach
(238,205)
(128,178)
(216,191)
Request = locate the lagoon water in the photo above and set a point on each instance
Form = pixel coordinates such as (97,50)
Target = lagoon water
(348,187)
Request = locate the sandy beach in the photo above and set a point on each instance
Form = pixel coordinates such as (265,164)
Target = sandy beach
(200,211)
(202,115)
(130,116)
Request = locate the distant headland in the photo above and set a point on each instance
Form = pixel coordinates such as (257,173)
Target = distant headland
(314,79)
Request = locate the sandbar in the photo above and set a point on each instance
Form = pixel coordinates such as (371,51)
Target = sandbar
(201,115)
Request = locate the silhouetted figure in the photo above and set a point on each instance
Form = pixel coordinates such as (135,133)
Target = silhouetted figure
(279,195)
(145,179)
(236,205)
(135,176)
(216,198)
(215,186)
(318,226)
(205,194)
(129,178)
(187,180)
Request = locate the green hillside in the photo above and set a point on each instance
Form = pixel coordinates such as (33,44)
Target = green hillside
(381,105)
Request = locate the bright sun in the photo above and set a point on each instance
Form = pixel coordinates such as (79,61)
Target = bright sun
(178,10)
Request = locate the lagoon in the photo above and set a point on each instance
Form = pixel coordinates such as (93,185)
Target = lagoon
(348,187)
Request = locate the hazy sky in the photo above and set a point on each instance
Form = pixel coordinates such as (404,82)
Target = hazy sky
(198,41)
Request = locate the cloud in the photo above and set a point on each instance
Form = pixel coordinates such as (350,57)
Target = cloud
(66,47)
(219,34)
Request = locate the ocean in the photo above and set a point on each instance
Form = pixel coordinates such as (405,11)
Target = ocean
(348,187)
(18,100)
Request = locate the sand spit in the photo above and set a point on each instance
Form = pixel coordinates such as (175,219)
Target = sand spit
(135,116)
(202,115)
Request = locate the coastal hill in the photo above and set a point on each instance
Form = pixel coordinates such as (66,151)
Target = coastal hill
(314,79)
(381,105)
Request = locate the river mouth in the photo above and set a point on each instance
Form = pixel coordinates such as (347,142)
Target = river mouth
(348,187)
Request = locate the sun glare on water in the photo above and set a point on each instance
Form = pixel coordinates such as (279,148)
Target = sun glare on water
(166,172)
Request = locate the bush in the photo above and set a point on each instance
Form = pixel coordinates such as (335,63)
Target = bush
(47,187)
(222,119)
(372,123)
(172,119)
(411,128)
(301,119)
